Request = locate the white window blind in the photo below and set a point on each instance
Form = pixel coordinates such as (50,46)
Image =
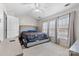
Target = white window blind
(45,27)
(62,27)
(52,28)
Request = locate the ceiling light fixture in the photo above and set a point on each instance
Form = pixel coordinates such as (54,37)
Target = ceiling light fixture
(37,10)
(37,7)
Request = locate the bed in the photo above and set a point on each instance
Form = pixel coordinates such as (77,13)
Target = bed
(32,37)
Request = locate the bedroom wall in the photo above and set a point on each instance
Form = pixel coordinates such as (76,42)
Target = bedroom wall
(76,22)
(27,22)
(39,24)
(76,27)
(1,23)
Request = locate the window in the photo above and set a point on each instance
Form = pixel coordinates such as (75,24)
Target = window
(45,27)
(62,27)
(52,28)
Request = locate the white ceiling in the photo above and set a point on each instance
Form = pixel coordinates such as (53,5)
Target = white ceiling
(28,9)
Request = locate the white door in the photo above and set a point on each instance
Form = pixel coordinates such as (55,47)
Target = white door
(12,26)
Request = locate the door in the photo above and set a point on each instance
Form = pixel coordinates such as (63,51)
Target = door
(12,26)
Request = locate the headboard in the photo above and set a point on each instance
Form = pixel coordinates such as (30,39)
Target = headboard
(27,27)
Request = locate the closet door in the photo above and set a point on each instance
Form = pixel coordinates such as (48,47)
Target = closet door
(45,27)
(52,30)
(12,26)
(62,30)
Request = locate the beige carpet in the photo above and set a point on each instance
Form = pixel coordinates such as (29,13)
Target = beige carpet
(46,49)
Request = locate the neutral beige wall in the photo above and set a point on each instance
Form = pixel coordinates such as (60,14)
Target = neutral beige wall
(39,24)
(26,20)
(76,25)
(1,22)
(76,22)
